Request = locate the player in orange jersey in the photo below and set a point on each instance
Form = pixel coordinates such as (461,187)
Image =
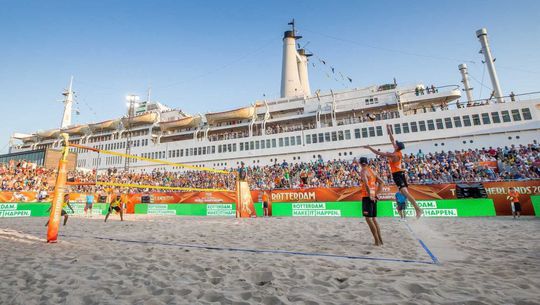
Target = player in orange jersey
(398,174)
(371,186)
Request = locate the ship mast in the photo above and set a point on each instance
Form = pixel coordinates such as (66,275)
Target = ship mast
(68,104)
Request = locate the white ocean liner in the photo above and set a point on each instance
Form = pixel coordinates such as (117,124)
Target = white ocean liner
(302,126)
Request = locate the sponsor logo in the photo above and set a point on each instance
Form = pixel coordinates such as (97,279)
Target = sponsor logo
(220,210)
(160,209)
(429,208)
(293,196)
(10,210)
(313,209)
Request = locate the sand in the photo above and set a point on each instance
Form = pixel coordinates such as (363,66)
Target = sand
(155,260)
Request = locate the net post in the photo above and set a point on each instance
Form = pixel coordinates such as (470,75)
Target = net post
(59,191)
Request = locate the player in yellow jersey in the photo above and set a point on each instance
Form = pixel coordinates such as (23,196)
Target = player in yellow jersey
(116,205)
(63,213)
(371,186)
(398,173)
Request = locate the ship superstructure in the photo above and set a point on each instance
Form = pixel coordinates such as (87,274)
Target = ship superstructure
(305,126)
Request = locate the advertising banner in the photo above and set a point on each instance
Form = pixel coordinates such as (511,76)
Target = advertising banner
(498,191)
(536,205)
(191,209)
(21,209)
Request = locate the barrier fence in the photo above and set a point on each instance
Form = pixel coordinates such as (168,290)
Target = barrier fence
(432,208)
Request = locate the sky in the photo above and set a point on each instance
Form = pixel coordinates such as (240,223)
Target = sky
(202,56)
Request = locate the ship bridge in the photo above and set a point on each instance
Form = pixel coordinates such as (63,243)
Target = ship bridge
(430,95)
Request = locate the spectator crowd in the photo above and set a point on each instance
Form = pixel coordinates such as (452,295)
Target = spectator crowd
(478,165)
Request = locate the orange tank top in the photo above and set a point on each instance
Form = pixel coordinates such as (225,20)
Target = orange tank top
(515,196)
(395,166)
(372,180)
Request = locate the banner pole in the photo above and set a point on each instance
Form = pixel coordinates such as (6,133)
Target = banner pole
(59,190)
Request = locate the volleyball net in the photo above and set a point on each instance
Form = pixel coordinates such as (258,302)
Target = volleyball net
(212,180)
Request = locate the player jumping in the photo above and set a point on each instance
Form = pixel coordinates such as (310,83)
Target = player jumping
(398,174)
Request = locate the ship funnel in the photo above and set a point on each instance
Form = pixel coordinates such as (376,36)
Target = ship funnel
(465,81)
(302,62)
(290,78)
(482,36)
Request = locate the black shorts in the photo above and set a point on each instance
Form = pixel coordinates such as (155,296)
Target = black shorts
(400,180)
(265,204)
(517,206)
(63,212)
(111,208)
(369,207)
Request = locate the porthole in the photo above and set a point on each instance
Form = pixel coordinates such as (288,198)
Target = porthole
(517,137)
(436,144)
(470,141)
(464,142)
(509,138)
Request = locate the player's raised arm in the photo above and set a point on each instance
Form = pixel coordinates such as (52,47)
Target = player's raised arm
(380,153)
(391,136)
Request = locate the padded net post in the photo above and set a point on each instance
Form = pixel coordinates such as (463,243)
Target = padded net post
(59,191)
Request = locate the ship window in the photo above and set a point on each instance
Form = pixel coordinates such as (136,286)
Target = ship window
(495,117)
(439,123)
(273,142)
(246,146)
(327,137)
(204,150)
(364,133)
(431,125)
(516,115)
(280,142)
(347,134)
(170,154)
(196,151)
(405,127)
(293,141)
(485,118)
(286,141)
(257,145)
(241,146)
(422,125)
(448,122)
(505,116)
(308,139)
(371,131)
(321,137)
(340,135)
(314,138)
(229,147)
(268,143)
(397,128)
(298,140)
(476,119)
(357,133)
(457,121)
(414,127)
(526,113)
(334,136)
(263,144)
(213,149)
(252,145)
(219,149)
(466,120)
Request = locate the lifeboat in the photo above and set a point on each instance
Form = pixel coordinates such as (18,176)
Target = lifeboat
(49,134)
(104,126)
(231,115)
(25,138)
(186,122)
(76,130)
(143,119)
